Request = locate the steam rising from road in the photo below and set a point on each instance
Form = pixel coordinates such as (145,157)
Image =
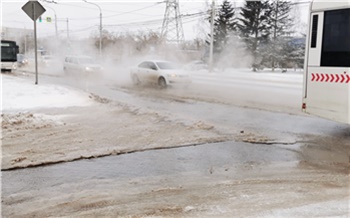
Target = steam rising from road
(120,52)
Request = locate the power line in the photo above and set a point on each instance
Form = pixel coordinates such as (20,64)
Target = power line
(156,21)
(172,29)
(109,16)
(187,18)
(157,3)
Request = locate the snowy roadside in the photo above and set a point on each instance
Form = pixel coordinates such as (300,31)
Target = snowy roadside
(43,124)
(20,95)
(87,127)
(291,77)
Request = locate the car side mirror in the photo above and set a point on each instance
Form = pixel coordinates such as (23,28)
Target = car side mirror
(153,68)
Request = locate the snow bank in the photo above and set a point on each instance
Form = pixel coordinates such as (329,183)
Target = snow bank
(261,76)
(19,94)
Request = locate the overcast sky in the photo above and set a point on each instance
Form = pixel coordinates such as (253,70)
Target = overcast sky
(117,16)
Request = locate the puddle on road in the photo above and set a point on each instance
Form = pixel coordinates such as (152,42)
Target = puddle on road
(317,153)
(200,158)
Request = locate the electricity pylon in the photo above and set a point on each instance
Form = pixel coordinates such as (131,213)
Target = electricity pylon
(172,29)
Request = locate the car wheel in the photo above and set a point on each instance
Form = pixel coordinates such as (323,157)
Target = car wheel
(162,82)
(135,80)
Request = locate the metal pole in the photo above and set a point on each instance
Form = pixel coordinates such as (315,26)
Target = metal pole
(212,37)
(100,49)
(56,31)
(35,48)
(56,26)
(100,33)
(25,44)
(55,20)
(67,29)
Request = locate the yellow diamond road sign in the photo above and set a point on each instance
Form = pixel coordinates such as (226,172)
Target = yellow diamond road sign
(33,9)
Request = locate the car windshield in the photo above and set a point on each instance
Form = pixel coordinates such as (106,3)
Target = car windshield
(166,65)
(86,61)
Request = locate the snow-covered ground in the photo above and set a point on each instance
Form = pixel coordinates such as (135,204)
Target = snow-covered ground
(234,77)
(21,94)
(88,128)
(49,123)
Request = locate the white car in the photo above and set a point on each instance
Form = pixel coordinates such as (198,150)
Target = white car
(196,65)
(81,64)
(162,73)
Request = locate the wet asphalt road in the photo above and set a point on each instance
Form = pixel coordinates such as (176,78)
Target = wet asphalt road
(200,159)
(280,127)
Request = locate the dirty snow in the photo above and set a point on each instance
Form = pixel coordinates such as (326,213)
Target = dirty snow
(46,123)
(55,128)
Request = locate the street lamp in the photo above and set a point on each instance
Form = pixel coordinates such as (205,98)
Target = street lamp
(55,20)
(100,24)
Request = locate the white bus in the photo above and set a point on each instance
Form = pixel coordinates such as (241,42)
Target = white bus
(326,88)
(9,51)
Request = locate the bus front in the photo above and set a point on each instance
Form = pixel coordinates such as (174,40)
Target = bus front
(9,51)
(327,61)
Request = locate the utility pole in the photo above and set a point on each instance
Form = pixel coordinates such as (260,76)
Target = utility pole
(172,29)
(56,26)
(212,36)
(100,32)
(275,35)
(25,44)
(67,29)
(100,24)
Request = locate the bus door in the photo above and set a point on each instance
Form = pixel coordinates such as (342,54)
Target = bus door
(327,71)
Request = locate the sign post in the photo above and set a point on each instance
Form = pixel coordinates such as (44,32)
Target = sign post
(34,10)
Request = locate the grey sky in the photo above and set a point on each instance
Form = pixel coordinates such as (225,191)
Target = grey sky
(118,16)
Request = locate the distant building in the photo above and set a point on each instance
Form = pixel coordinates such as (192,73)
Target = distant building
(9,33)
(23,37)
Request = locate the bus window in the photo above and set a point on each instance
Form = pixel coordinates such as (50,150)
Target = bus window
(314,31)
(9,51)
(336,39)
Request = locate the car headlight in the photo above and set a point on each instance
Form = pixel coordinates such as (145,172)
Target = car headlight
(172,75)
(87,68)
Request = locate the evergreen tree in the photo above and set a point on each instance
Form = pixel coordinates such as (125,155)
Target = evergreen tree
(281,23)
(224,25)
(294,51)
(254,28)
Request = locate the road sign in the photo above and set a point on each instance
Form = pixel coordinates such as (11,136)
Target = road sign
(33,9)
(48,19)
